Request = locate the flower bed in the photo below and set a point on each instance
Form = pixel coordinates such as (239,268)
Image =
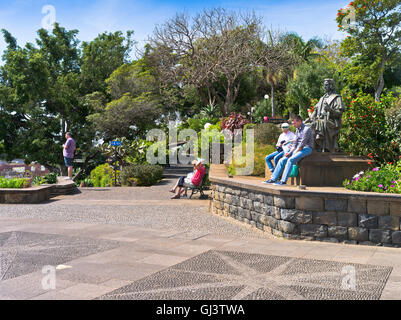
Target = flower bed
(386,179)
(14,183)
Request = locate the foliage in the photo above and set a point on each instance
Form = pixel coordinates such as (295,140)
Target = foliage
(234,122)
(102,176)
(307,85)
(198,124)
(386,179)
(393,117)
(88,182)
(261,151)
(267,133)
(211,111)
(130,152)
(13,183)
(134,106)
(141,175)
(212,52)
(50,178)
(102,56)
(42,89)
(375,36)
(364,128)
(262,109)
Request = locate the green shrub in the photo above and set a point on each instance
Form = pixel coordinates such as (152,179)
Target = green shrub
(37,181)
(249,126)
(262,109)
(365,128)
(141,175)
(393,117)
(50,178)
(198,124)
(14,183)
(384,180)
(261,151)
(267,133)
(102,176)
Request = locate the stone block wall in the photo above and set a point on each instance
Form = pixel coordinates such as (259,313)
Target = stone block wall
(347,219)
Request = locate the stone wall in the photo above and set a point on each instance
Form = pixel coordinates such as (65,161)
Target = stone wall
(353,219)
(36,194)
(25,196)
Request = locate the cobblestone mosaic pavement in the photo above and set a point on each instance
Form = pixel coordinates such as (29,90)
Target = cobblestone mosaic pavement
(243,276)
(24,252)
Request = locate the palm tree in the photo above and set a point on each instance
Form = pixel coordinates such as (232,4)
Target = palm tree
(277,61)
(304,51)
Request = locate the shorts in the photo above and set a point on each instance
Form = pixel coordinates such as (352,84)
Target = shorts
(68,162)
(188,183)
(184,182)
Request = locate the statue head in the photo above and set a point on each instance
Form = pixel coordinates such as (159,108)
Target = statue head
(329,85)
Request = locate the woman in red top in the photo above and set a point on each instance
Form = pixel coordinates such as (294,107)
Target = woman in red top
(184,183)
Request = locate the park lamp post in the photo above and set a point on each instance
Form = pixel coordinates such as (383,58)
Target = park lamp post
(267,97)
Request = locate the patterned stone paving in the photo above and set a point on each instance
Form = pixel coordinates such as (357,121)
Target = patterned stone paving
(23,252)
(242,276)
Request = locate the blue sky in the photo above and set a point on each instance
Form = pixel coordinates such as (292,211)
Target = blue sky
(91,17)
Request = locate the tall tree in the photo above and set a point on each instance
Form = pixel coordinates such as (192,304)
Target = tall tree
(42,91)
(134,104)
(215,46)
(375,35)
(102,56)
(278,61)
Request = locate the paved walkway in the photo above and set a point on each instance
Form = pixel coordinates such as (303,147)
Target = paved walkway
(136,243)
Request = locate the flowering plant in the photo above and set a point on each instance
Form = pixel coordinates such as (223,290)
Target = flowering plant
(386,179)
(365,128)
(236,121)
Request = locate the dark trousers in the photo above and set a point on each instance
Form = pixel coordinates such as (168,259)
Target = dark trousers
(181,182)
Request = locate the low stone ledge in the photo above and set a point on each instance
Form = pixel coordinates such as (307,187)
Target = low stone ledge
(25,196)
(35,195)
(337,216)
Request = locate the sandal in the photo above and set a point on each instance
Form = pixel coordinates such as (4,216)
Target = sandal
(175,197)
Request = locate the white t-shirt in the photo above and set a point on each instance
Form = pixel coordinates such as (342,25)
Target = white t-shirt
(286,137)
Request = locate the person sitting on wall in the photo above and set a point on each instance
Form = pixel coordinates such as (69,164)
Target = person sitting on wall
(191,181)
(303,147)
(284,142)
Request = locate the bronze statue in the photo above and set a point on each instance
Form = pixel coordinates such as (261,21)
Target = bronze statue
(325,121)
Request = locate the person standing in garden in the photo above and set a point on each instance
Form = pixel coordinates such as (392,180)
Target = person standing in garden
(69,152)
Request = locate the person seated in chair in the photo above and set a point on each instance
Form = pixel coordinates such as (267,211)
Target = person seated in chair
(191,181)
(284,142)
(303,147)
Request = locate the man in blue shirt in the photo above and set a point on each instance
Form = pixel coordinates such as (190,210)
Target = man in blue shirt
(303,147)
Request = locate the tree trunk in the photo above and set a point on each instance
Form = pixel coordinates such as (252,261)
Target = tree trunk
(220,103)
(380,87)
(202,95)
(228,101)
(380,83)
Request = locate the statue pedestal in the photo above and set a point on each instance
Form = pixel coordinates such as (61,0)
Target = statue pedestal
(327,169)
